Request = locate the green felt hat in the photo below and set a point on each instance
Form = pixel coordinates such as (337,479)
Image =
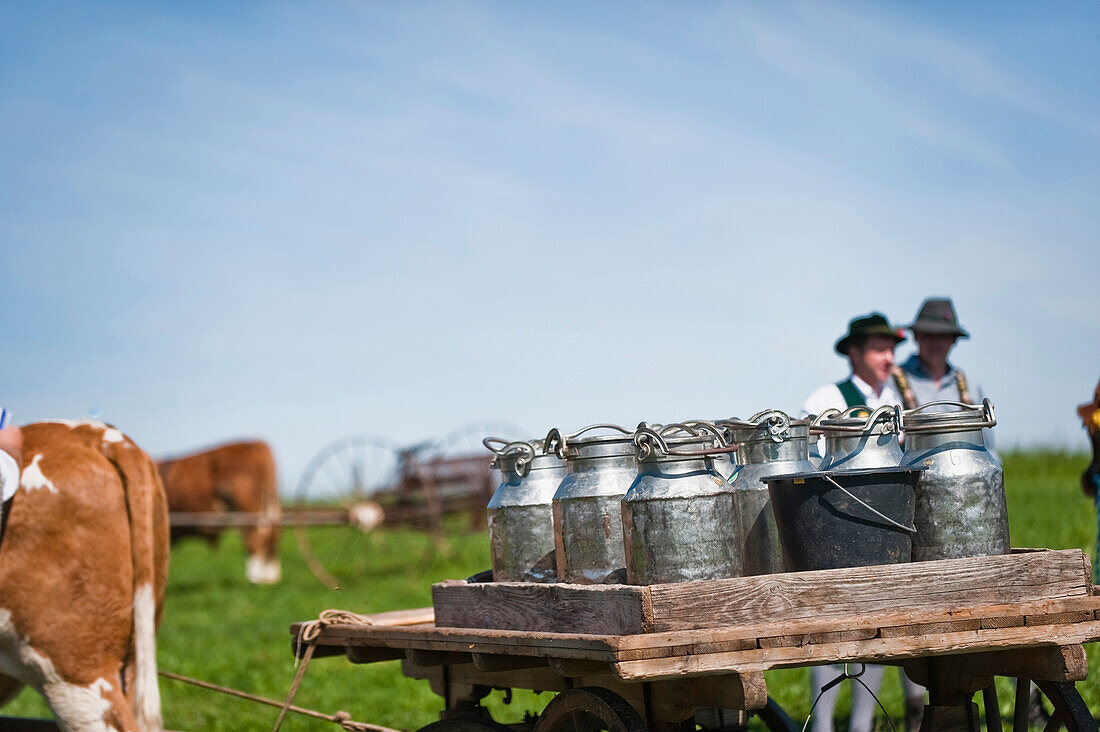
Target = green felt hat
(874,324)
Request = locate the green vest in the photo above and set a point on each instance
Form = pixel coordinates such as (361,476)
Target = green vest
(851,393)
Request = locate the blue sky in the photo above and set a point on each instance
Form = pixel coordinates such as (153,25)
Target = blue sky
(301,221)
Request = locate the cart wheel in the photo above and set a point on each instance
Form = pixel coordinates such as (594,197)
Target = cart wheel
(466,439)
(1048,705)
(589,709)
(775,719)
(734,720)
(344,475)
(465,724)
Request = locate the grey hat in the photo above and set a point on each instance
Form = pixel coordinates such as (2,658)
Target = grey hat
(937,315)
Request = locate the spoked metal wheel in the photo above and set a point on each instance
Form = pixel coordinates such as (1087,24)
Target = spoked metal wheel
(466,439)
(1040,705)
(452,475)
(340,481)
(589,709)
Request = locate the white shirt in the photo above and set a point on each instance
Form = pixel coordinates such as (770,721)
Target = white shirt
(829,397)
(9,476)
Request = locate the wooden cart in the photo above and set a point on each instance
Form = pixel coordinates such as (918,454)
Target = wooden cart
(694,653)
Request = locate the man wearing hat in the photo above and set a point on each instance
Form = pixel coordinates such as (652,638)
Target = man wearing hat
(869,346)
(926,376)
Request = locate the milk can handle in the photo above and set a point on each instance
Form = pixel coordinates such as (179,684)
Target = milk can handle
(872,418)
(989,417)
(815,419)
(523,460)
(555,436)
(490,441)
(722,445)
(884,517)
(778,423)
(646,439)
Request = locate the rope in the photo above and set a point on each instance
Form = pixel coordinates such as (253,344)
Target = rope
(307,635)
(341,718)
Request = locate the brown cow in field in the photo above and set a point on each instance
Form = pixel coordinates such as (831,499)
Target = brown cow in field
(1090,415)
(236,477)
(83,566)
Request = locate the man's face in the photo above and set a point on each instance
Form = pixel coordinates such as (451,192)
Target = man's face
(934,347)
(873,361)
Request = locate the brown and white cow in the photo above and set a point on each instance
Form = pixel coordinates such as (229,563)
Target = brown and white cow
(1090,415)
(83,566)
(235,477)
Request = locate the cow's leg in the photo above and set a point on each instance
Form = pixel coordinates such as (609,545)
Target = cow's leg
(263,565)
(98,707)
(9,688)
(262,541)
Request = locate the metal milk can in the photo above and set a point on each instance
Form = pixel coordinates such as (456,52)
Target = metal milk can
(588,528)
(769,443)
(521,516)
(679,523)
(853,441)
(960,509)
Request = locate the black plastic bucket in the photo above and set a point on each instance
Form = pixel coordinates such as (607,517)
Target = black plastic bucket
(844,518)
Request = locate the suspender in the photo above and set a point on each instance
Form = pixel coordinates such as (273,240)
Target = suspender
(850,393)
(964,390)
(909,399)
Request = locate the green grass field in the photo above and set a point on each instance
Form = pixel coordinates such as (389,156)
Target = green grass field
(219,628)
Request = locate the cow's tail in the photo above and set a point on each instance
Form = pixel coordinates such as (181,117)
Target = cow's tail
(148,511)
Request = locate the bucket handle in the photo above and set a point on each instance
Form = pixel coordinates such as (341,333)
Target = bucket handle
(989,418)
(884,517)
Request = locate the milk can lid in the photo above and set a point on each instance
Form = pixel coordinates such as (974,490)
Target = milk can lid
(963,417)
(857,420)
(770,425)
(679,441)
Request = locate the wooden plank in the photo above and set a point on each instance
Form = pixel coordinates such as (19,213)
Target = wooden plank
(949,626)
(495,662)
(1058,618)
(1004,621)
(874,650)
(1032,576)
(562,608)
(673,643)
(677,700)
(625,610)
(359,654)
(837,636)
(997,615)
(1057,663)
(575,667)
(422,657)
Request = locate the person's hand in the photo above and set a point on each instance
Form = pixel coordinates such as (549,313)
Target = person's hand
(11,442)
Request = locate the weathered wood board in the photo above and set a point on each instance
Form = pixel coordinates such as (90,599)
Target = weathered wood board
(828,595)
